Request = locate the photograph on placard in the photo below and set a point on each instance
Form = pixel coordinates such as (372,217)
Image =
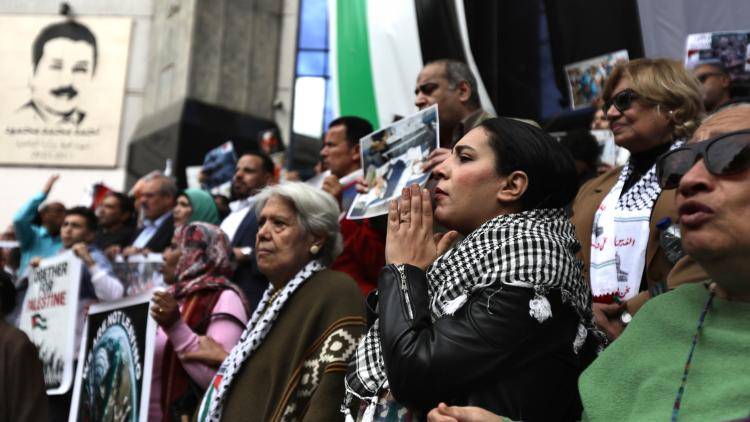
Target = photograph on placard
(392,159)
(586,78)
(113,379)
(730,50)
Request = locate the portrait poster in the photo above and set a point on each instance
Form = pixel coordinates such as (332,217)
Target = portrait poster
(392,159)
(113,379)
(139,273)
(49,315)
(586,78)
(63,87)
(730,49)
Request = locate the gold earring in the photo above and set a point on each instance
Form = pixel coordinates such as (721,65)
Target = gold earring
(314,249)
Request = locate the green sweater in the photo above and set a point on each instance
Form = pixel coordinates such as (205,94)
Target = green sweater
(637,377)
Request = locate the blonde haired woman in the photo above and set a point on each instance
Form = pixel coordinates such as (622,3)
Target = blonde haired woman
(652,105)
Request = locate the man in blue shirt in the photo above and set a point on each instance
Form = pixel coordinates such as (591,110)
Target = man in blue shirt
(159,196)
(41,240)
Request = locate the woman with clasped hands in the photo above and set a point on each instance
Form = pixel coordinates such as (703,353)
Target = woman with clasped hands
(502,320)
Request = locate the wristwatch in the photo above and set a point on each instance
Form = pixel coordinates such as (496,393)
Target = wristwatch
(625,317)
(246,251)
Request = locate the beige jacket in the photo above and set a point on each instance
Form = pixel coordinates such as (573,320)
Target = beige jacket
(658,268)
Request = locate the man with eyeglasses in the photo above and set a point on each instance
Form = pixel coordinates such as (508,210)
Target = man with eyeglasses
(452,86)
(159,195)
(716,85)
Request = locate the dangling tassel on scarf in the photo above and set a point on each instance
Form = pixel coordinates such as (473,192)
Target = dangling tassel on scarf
(533,249)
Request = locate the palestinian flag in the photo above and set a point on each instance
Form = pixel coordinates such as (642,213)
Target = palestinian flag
(38,321)
(378,47)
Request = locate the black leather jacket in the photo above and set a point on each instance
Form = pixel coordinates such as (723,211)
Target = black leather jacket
(491,353)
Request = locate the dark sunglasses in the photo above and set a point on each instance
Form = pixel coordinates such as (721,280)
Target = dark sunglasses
(622,101)
(426,89)
(723,155)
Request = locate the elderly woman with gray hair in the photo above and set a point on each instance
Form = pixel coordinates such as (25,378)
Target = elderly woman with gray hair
(291,360)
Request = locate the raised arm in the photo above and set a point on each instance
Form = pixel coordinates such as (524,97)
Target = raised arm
(23,219)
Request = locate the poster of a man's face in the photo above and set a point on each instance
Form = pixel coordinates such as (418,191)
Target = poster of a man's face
(64,62)
(63,85)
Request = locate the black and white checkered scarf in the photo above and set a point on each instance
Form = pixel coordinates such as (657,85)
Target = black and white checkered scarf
(534,249)
(645,191)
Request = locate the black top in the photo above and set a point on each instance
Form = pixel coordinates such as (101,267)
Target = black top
(642,162)
(491,353)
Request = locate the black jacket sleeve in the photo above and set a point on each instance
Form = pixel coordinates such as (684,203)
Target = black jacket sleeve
(163,236)
(491,338)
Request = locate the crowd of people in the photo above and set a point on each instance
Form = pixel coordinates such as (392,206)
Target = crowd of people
(521,283)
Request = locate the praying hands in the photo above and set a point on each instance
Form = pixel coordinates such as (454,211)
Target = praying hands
(410,238)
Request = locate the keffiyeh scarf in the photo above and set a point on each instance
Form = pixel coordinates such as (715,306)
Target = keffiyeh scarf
(258,328)
(534,249)
(620,234)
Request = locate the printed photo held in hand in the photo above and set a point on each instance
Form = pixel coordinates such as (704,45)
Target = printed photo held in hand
(729,49)
(586,78)
(392,159)
(113,379)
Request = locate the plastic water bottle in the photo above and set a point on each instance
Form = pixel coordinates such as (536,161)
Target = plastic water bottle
(670,240)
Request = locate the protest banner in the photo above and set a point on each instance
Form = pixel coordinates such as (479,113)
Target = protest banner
(49,317)
(139,272)
(113,379)
(392,158)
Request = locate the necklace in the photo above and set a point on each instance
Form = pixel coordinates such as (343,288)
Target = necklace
(696,336)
